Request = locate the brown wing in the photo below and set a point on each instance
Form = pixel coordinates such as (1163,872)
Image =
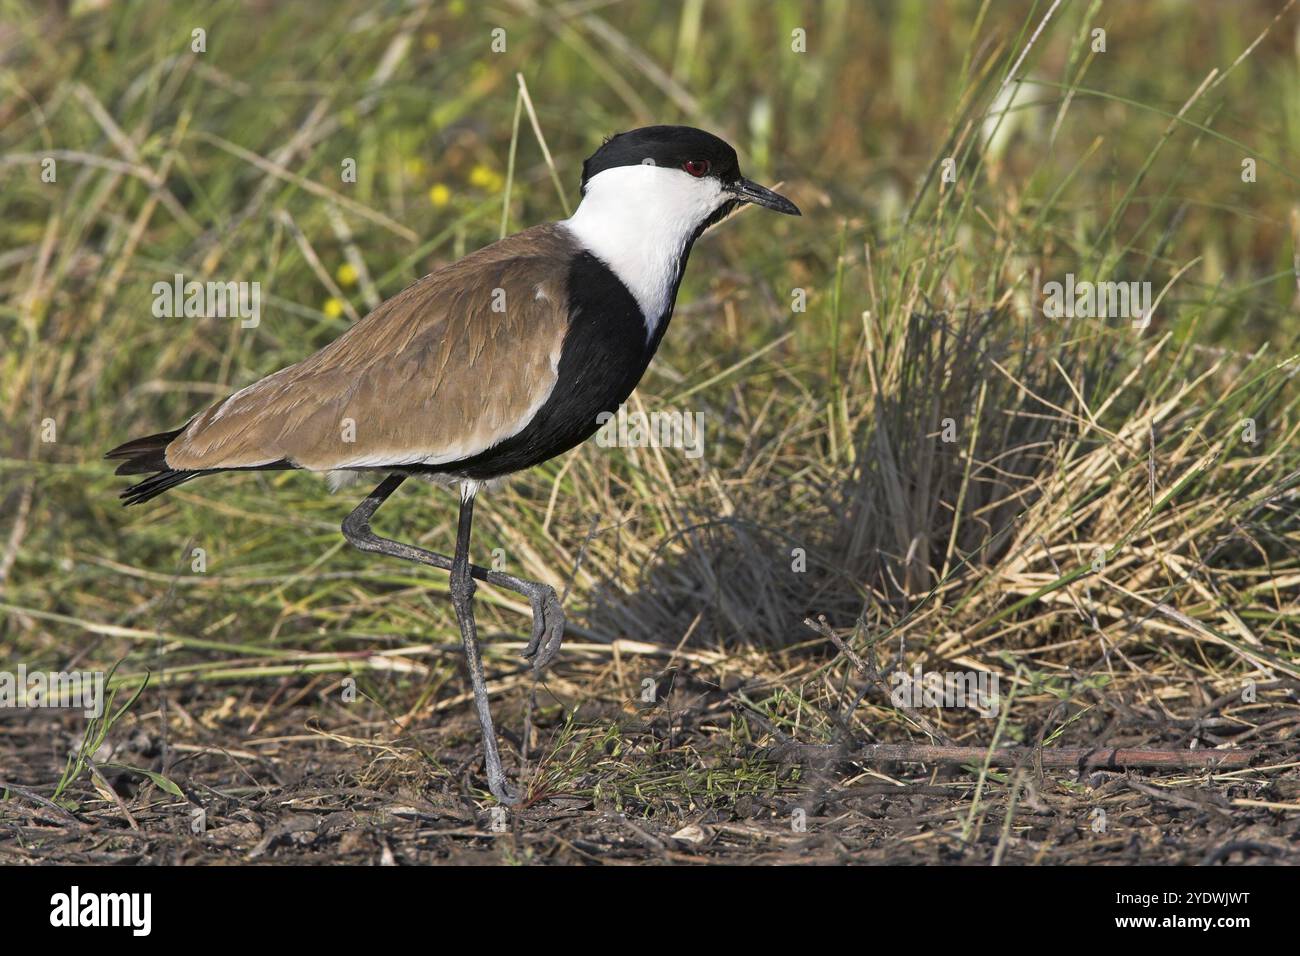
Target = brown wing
(447,368)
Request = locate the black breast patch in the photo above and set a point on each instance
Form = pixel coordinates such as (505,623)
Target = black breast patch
(604,355)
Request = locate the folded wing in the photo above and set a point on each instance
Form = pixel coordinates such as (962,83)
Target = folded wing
(449,367)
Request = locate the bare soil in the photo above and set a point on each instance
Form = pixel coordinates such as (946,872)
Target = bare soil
(283,773)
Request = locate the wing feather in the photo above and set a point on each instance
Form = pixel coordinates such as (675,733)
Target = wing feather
(444,370)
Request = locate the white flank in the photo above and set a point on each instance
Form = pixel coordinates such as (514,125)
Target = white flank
(637,220)
(341,478)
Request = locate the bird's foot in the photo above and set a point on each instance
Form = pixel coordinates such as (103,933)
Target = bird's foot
(503,789)
(548,627)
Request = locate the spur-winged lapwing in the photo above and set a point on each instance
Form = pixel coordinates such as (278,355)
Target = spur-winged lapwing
(488,366)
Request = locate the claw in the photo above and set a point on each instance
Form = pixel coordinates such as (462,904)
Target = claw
(555,634)
(538,602)
(548,629)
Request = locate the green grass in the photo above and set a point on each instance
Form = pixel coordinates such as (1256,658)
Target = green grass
(1073,438)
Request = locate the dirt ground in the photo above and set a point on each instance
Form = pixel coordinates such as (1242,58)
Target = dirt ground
(282,773)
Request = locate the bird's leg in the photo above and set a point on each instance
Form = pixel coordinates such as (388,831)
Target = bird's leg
(548,614)
(462,599)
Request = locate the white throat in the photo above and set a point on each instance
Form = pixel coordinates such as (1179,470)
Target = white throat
(637,220)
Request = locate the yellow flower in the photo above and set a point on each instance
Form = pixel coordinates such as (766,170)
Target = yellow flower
(333,308)
(486,178)
(414,167)
(346,274)
(439,195)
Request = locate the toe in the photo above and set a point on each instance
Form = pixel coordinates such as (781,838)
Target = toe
(505,794)
(544,605)
(554,637)
(539,631)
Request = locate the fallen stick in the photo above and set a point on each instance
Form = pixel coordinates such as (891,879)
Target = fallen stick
(1083,758)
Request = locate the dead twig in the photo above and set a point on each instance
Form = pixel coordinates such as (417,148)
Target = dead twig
(1082,758)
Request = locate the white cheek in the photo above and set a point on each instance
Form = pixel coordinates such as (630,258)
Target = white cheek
(637,220)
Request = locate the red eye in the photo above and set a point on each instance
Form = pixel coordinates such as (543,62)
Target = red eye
(696,167)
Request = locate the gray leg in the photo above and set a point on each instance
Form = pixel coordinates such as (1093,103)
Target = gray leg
(548,616)
(462,599)
(548,613)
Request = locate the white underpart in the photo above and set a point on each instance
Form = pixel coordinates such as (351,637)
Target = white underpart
(344,478)
(341,478)
(637,220)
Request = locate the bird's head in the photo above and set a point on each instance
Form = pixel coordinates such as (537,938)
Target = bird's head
(674,173)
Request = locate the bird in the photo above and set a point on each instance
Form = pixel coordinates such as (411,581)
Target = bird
(492,364)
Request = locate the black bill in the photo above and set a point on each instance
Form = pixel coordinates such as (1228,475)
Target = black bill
(747,191)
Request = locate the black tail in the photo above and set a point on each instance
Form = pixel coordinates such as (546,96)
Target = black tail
(155,485)
(140,456)
(147,456)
